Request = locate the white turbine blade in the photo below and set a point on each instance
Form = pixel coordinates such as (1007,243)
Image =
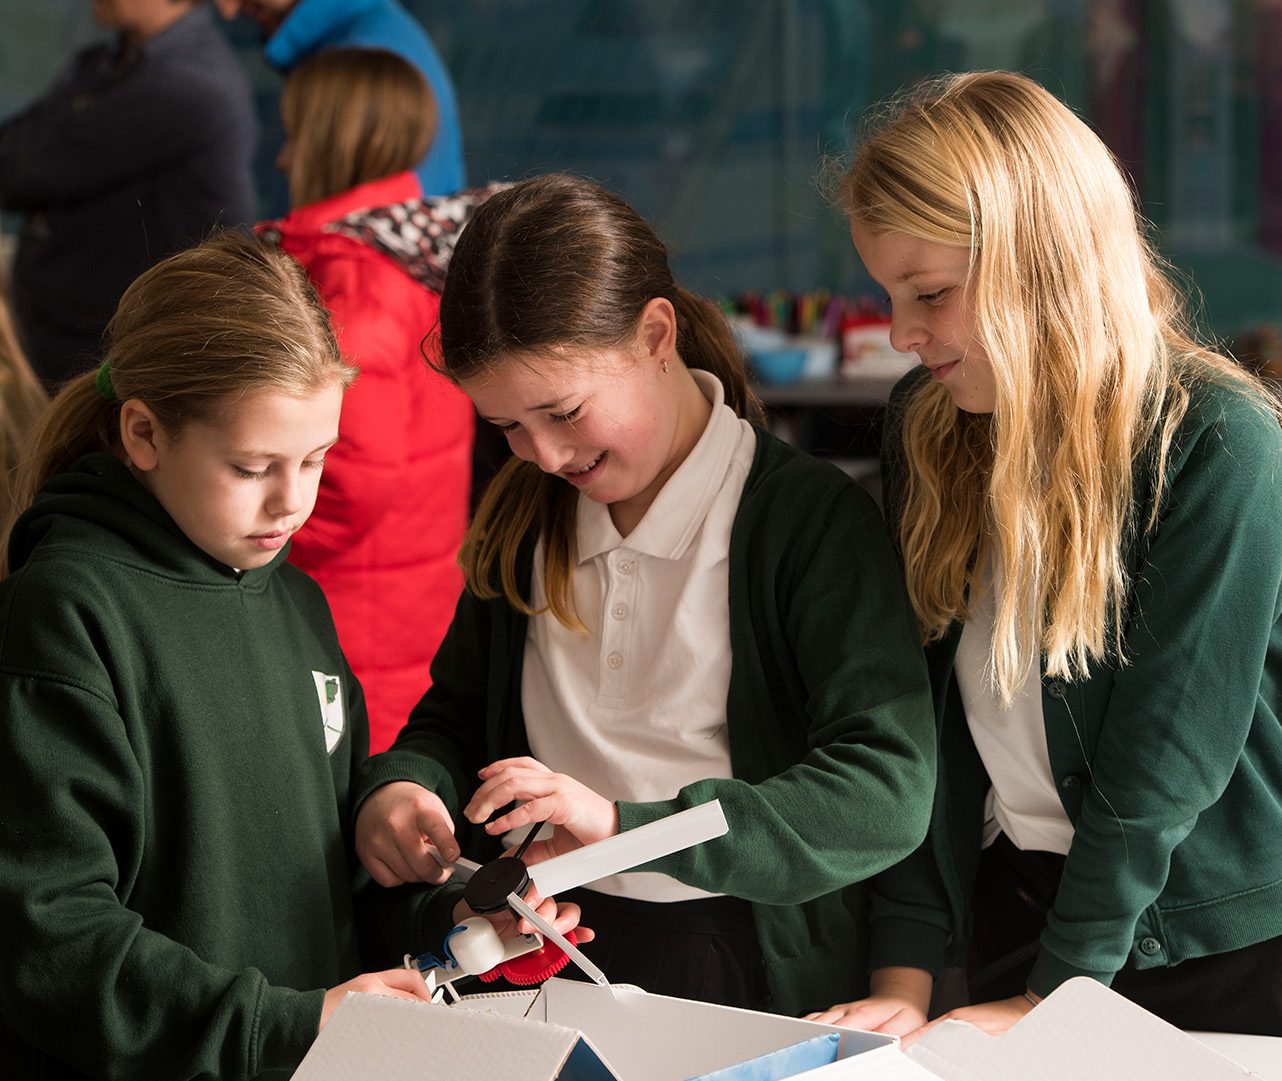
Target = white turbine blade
(631,849)
(463,869)
(549,932)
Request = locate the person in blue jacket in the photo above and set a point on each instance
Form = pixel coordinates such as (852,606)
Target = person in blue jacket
(296,29)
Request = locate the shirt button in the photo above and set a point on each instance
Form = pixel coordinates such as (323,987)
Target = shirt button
(1150,946)
(626,566)
(619,611)
(615,660)
(1056,688)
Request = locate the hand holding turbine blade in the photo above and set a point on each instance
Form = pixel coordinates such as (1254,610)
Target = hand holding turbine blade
(624,851)
(552,934)
(502,883)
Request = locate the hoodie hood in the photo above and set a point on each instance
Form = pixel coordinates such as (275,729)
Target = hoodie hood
(100,506)
(419,234)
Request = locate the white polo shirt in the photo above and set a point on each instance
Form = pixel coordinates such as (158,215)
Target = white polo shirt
(636,708)
(1023,802)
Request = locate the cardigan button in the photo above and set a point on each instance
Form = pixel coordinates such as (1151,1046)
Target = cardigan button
(1150,946)
(1056,687)
(1070,782)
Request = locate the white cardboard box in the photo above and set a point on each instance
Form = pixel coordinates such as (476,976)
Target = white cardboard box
(574,1031)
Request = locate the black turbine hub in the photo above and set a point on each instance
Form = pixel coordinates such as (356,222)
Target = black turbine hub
(486,891)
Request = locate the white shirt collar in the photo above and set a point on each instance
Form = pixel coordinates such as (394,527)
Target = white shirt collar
(673,519)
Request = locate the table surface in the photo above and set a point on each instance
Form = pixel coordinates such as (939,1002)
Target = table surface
(867,382)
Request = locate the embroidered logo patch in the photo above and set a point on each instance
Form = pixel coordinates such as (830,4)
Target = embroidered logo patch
(330,692)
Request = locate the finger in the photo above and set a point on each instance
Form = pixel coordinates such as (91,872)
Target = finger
(567,916)
(411,996)
(508,787)
(381,873)
(524,762)
(410,859)
(910,1038)
(439,830)
(408,980)
(524,815)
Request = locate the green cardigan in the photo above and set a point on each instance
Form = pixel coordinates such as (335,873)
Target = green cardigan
(1170,767)
(829,720)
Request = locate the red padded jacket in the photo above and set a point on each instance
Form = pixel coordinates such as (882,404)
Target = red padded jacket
(392,509)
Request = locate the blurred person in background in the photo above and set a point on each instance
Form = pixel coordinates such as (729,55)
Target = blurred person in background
(297,29)
(22,400)
(141,147)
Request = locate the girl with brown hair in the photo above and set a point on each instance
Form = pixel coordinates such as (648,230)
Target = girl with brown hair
(665,605)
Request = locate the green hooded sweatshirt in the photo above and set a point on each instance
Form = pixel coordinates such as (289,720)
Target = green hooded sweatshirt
(177,883)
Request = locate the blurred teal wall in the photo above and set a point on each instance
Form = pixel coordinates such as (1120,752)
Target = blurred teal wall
(713,116)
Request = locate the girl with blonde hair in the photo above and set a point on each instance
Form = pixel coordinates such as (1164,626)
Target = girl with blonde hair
(181,730)
(665,605)
(1087,506)
(22,399)
(393,504)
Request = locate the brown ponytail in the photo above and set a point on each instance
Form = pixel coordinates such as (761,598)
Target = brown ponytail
(705,341)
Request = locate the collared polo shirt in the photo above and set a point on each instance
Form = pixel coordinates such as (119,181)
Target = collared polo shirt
(1023,801)
(636,708)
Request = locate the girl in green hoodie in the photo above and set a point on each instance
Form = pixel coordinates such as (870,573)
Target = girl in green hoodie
(177,886)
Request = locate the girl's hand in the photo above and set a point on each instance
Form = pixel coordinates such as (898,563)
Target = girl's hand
(877,1013)
(563,917)
(545,797)
(993,1018)
(400,830)
(394,983)
(898,1004)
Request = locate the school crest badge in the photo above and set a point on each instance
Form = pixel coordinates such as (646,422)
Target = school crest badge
(329,689)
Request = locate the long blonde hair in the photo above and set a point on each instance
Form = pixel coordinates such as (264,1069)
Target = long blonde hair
(1090,355)
(193,334)
(22,400)
(559,261)
(352,116)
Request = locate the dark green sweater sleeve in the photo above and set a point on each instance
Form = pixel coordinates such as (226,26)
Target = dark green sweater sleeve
(831,729)
(83,977)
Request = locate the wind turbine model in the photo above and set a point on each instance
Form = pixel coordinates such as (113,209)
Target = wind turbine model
(474,948)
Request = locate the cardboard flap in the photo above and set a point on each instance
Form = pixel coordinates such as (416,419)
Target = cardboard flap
(1082,1030)
(397,1040)
(503,1003)
(656,1038)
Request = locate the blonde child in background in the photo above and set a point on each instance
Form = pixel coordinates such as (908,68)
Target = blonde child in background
(1087,502)
(177,886)
(665,605)
(22,400)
